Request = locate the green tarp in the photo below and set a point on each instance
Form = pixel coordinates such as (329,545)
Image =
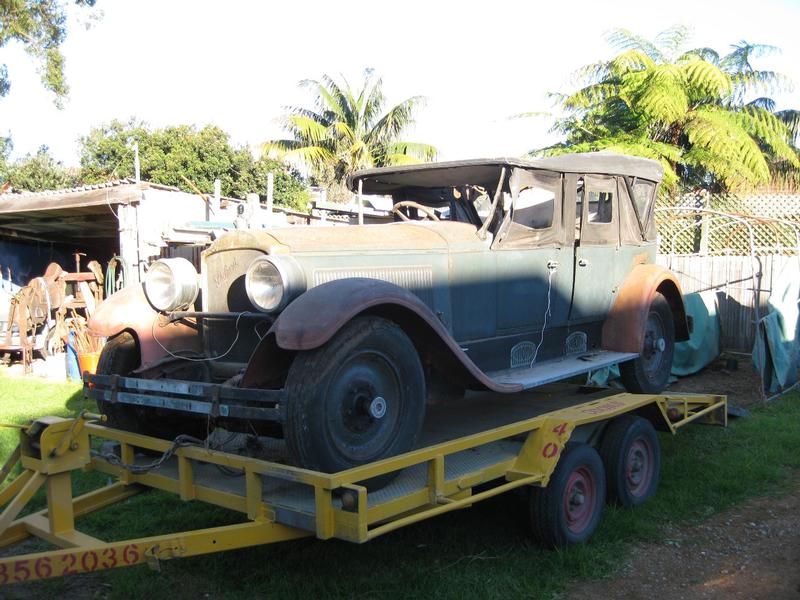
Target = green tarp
(702,347)
(775,350)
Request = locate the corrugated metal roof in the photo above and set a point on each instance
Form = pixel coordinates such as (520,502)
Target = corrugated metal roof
(72,190)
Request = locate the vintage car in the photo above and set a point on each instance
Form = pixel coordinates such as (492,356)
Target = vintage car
(499,275)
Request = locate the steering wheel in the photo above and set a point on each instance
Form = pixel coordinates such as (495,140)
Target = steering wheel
(426,210)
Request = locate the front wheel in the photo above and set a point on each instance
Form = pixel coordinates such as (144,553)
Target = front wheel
(649,374)
(120,356)
(357,399)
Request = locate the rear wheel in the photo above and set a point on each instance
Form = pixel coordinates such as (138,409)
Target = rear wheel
(649,374)
(357,399)
(120,356)
(569,509)
(632,458)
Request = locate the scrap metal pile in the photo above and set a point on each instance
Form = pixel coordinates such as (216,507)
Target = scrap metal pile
(43,314)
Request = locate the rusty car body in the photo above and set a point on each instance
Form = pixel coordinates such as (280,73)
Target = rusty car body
(498,274)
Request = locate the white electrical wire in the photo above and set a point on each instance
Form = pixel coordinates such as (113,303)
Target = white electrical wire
(546,312)
(223,355)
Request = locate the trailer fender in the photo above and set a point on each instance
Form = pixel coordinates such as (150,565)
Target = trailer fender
(129,310)
(315,317)
(623,328)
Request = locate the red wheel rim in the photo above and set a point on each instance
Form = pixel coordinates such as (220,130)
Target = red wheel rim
(580,499)
(639,467)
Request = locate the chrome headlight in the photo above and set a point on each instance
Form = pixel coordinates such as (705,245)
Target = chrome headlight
(171,283)
(274,281)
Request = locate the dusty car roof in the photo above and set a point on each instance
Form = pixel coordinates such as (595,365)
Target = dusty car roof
(483,171)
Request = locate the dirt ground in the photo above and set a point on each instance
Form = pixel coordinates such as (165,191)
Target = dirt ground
(731,375)
(751,551)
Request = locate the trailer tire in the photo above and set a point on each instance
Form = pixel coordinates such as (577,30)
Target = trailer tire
(649,373)
(358,398)
(568,510)
(632,459)
(120,356)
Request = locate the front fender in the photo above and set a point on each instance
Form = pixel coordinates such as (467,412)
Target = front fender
(129,310)
(315,317)
(623,329)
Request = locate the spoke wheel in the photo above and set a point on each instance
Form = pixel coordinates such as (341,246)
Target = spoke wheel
(649,373)
(357,399)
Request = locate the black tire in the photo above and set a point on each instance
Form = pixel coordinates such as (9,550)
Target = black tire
(332,392)
(120,356)
(569,509)
(649,373)
(631,456)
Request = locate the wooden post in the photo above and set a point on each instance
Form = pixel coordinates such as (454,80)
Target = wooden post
(270,187)
(360,202)
(253,208)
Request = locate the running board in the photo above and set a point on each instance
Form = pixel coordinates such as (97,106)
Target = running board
(560,368)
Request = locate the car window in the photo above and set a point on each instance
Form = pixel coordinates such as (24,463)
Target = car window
(535,207)
(600,206)
(643,197)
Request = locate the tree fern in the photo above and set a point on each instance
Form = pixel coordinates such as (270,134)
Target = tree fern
(706,117)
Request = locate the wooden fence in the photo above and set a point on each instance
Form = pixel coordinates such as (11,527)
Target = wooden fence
(731,277)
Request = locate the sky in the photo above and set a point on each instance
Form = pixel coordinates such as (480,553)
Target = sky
(236,64)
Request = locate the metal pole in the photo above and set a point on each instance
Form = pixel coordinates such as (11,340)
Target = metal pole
(360,202)
(217,199)
(136,166)
(270,188)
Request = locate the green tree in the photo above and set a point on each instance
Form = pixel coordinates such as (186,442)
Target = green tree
(705,116)
(173,155)
(347,129)
(37,172)
(40,26)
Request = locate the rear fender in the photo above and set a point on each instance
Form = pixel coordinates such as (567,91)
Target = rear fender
(129,310)
(315,317)
(623,329)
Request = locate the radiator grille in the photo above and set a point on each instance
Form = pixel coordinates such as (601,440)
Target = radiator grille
(417,279)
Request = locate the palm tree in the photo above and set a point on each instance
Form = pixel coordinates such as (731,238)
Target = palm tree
(346,130)
(701,114)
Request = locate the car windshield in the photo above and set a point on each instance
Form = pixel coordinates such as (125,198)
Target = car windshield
(464,203)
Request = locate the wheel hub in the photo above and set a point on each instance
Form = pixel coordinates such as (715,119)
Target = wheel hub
(377,408)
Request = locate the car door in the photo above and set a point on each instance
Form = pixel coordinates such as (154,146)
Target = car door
(534,271)
(597,248)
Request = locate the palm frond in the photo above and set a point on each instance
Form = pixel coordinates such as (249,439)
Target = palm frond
(417,150)
(394,121)
(623,39)
(791,118)
(706,54)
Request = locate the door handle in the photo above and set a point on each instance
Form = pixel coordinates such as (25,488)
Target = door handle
(582,262)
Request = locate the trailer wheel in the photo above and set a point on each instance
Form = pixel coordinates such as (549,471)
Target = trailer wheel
(120,356)
(632,458)
(357,399)
(569,509)
(649,373)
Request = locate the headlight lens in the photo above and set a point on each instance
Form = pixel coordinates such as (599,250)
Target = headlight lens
(171,283)
(272,282)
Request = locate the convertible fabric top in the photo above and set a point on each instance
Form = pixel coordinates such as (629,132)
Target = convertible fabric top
(485,171)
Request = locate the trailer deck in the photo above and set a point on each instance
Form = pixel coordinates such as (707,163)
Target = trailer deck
(492,443)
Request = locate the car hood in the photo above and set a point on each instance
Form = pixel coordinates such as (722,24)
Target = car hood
(423,236)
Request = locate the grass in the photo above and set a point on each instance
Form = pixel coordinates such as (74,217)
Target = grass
(481,552)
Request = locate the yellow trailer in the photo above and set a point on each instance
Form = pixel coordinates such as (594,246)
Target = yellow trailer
(572,451)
